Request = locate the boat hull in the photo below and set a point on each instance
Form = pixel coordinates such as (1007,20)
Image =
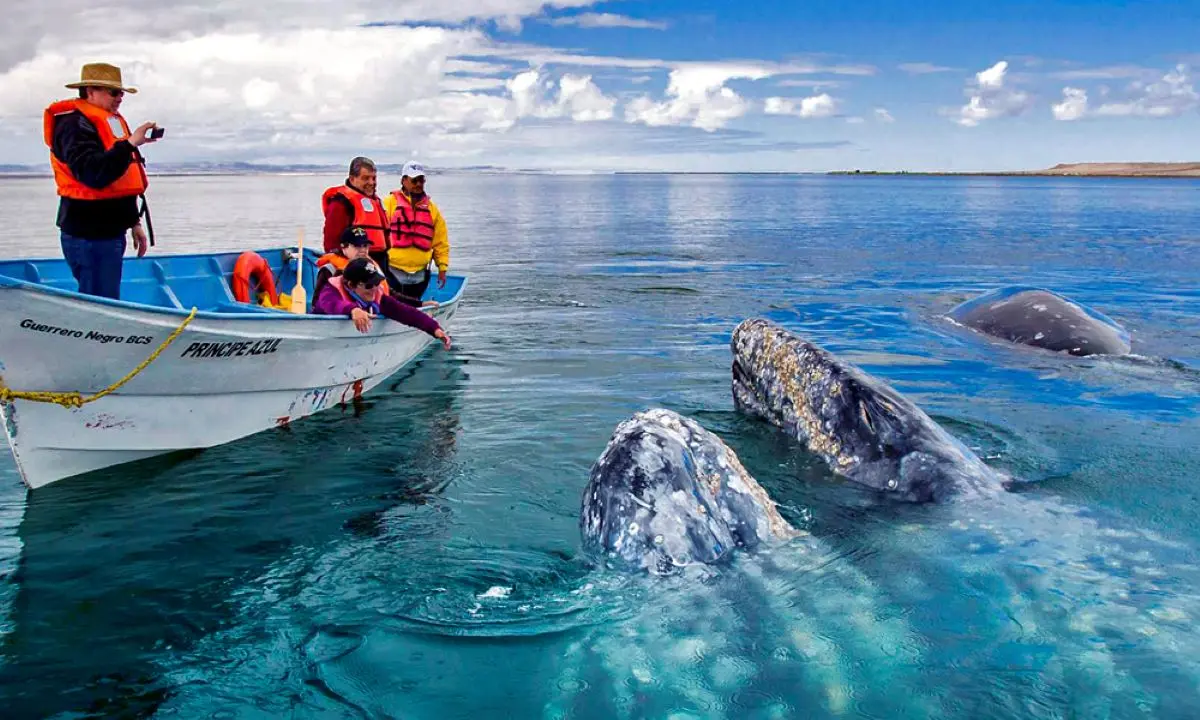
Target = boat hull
(223,378)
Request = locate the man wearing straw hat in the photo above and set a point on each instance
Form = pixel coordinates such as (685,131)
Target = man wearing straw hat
(99,174)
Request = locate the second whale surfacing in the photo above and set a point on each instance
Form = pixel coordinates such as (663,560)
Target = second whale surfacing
(1044,319)
(866,431)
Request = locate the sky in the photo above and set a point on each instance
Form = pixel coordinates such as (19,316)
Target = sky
(653,85)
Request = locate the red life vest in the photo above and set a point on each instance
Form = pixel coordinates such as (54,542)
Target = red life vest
(412,226)
(111,127)
(376,297)
(368,213)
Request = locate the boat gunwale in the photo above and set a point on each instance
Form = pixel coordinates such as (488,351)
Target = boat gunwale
(10,282)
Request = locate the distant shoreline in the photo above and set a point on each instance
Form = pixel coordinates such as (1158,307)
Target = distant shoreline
(1099,170)
(1106,170)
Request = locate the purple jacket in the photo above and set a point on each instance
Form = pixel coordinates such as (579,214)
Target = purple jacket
(330,302)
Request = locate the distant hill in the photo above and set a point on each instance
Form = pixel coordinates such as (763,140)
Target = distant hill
(1094,169)
(1146,169)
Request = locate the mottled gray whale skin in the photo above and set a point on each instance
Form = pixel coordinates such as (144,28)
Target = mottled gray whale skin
(866,431)
(666,493)
(1044,319)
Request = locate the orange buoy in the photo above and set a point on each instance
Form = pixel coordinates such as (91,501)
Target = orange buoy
(252,266)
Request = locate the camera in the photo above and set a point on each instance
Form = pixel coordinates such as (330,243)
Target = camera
(156,133)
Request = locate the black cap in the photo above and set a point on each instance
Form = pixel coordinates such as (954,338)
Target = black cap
(355,236)
(362,271)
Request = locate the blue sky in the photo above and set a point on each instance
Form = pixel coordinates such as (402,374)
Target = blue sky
(634,84)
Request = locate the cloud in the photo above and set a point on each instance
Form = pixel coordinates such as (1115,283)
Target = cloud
(310,93)
(73,23)
(696,95)
(990,98)
(923,68)
(817,106)
(608,20)
(1170,96)
(1073,106)
(816,84)
(883,116)
(1109,72)
(578,98)
(277,81)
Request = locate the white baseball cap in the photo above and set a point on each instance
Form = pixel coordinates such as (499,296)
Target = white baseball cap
(412,169)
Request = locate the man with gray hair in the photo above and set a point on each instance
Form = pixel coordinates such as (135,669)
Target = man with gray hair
(355,204)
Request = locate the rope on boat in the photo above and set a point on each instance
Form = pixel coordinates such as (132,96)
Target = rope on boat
(75,399)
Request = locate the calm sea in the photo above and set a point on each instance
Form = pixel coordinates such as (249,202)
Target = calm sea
(419,558)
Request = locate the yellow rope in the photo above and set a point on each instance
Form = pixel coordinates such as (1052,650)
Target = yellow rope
(75,399)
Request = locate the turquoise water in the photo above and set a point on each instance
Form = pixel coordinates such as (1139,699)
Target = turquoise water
(417,556)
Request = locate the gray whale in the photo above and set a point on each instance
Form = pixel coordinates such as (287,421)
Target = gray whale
(1044,319)
(666,493)
(866,431)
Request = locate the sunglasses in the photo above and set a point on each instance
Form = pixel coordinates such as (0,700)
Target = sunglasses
(115,92)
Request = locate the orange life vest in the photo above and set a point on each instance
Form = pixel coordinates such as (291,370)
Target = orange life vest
(111,128)
(368,213)
(412,226)
(339,262)
(375,299)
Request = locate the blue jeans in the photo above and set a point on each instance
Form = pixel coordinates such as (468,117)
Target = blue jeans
(96,264)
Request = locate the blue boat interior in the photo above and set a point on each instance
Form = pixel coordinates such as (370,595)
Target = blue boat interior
(203,281)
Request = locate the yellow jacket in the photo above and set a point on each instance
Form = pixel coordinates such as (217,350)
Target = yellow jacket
(411,259)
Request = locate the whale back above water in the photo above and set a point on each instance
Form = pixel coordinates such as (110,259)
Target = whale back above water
(865,430)
(667,493)
(1044,319)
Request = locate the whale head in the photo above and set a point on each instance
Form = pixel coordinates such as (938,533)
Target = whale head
(866,431)
(666,493)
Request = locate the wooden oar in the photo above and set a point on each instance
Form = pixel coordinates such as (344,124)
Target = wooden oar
(299,296)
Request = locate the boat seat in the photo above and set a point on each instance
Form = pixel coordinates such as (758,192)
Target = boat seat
(56,275)
(187,284)
(142,282)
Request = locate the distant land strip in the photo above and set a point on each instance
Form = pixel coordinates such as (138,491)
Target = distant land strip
(1136,169)
(1133,169)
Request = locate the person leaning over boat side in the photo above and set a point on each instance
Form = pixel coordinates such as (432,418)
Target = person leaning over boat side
(355,204)
(99,174)
(418,234)
(354,244)
(357,293)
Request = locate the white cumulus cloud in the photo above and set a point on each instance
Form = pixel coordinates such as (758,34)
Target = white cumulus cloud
(696,95)
(1170,96)
(990,97)
(578,97)
(816,106)
(1074,105)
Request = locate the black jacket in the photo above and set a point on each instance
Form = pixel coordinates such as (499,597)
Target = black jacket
(76,143)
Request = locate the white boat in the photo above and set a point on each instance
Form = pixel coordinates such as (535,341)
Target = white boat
(235,369)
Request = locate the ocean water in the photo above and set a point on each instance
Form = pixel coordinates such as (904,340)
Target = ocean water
(418,556)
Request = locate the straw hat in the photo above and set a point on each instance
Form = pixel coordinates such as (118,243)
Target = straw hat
(101,75)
